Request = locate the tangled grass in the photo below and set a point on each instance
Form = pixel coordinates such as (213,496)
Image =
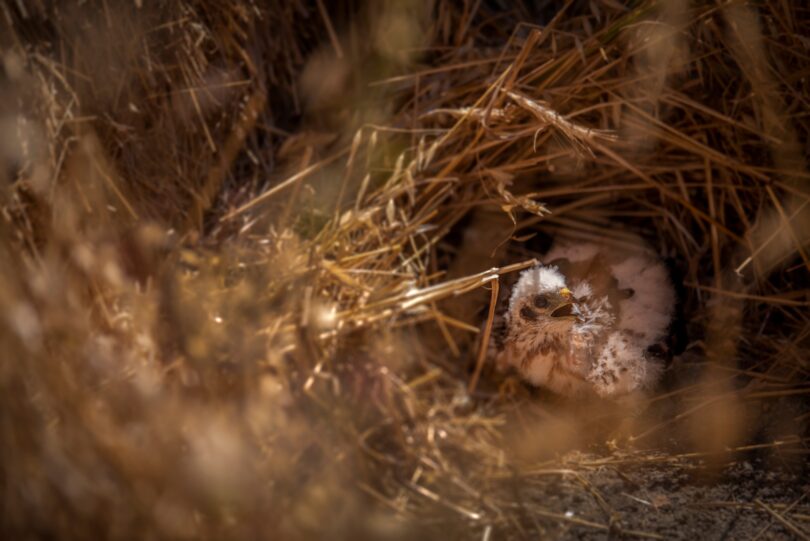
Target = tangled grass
(250,251)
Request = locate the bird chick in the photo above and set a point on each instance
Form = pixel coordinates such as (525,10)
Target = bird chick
(589,322)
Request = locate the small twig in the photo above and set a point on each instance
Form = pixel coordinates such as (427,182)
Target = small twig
(430,495)
(482,353)
(595,525)
(282,185)
(785,522)
(768,241)
(748,296)
(787,510)
(330,29)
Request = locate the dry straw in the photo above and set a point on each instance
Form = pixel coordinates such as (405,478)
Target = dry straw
(252,253)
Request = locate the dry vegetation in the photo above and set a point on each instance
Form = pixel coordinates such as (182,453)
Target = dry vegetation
(248,249)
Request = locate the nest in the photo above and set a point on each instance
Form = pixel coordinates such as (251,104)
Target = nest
(252,253)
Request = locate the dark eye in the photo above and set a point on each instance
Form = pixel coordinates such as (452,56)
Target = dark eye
(541,301)
(528,313)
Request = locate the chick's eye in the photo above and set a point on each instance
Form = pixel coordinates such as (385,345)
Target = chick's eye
(541,301)
(528,313)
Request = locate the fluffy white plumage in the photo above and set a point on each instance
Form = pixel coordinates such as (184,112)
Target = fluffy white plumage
(587,319)
(537,280)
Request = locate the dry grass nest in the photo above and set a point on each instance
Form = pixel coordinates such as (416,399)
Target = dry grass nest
(249,247)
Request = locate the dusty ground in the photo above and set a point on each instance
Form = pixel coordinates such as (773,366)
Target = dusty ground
(685,501)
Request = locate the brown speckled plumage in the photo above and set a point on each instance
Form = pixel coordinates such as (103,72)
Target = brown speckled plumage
(584,321)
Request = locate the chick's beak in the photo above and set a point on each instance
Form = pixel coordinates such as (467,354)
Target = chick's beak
(566,309)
